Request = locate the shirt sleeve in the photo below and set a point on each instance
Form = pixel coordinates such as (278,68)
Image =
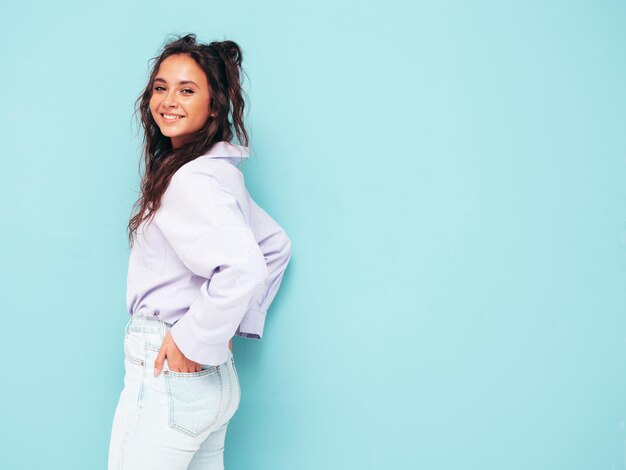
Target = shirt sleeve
(202,221)
(276,248)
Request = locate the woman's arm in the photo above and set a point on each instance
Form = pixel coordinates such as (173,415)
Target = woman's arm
(201,220)
(276,248)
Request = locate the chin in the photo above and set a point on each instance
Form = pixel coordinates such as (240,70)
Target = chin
(169,134)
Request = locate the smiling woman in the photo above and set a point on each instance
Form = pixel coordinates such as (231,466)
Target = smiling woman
(191,96)
(205,264)
(180,99)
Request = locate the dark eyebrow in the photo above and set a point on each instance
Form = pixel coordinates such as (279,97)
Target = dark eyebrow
(182,82)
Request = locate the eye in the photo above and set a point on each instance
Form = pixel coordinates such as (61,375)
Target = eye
(158,88)
(191,92)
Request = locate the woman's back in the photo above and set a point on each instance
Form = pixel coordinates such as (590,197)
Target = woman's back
(174,257)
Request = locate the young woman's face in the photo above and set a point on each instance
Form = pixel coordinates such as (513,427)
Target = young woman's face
(180,98)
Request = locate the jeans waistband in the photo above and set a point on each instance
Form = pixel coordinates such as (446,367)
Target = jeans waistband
(145,324)
(152,325)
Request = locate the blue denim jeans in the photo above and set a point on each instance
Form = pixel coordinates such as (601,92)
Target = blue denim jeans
(175,421)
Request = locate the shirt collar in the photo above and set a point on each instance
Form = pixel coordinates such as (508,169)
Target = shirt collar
(233,152)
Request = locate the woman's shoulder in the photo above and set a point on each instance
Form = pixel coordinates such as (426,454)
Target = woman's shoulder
(208,174)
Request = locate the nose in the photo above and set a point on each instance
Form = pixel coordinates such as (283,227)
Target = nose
(170,100)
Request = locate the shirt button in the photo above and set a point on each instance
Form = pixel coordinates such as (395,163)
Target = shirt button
(156,313)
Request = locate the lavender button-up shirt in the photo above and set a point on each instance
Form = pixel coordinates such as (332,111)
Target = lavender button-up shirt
(211,261)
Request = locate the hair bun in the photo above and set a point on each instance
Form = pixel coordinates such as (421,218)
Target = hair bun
(228,50)
(189,39)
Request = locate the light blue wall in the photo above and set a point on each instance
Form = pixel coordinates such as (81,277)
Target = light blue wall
(453,179)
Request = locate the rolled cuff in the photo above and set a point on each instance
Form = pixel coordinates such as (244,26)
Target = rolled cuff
(202,353)
(251,325)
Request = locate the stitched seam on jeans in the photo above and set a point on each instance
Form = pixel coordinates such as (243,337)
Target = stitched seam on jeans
(230,388)
(128,355)
(135,418)
(238,383)
(201,373)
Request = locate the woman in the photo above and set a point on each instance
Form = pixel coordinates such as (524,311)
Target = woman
(205,264)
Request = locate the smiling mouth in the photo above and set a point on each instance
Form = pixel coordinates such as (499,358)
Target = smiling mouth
(171,117)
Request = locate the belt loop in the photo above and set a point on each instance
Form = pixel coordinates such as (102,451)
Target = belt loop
(162,327)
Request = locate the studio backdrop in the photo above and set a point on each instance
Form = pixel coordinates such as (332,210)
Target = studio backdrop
(452,176)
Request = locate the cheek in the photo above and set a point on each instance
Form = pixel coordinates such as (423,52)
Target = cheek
(201,114)
(202,108)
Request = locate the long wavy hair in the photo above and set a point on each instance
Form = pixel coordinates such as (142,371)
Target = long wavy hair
(221,62)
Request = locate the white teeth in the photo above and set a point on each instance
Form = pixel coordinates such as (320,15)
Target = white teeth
(171,116)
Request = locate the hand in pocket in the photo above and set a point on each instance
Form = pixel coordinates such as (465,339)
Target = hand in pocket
(175,358)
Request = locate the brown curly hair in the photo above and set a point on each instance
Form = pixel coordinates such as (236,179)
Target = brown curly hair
(221,62)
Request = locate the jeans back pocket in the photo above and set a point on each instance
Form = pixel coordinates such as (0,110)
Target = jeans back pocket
(195,399)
